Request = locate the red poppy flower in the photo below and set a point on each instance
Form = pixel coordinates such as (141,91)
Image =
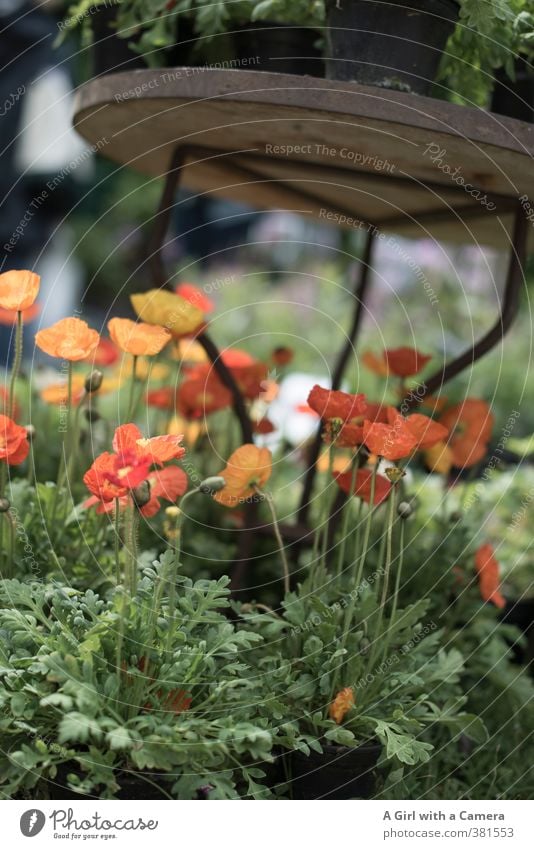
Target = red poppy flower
(114,475)
(404,362)
(362,485)
(106,353)
(263,426)
(200,396)
(14,445)
(237,358)
(169,484)
(470,425)
(195,296)
(392,441)
(163,398)
(487,569)
(334,404)
(426,431)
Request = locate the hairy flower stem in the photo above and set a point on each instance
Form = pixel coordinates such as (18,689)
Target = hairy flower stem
(387,569)
(321,534)
(346,515)
(63,460)
(281,548)
(367,531)
(387,639)
(117,541)
(173,577)
(354,596)
(131,400)
(131,547)
(17,361)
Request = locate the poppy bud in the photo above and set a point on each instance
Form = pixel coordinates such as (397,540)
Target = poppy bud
(282,355)
(4,505)
(365,645)
(456,516)
(93,381)
(212,484)
(404,510)
(30,432)
(141,494)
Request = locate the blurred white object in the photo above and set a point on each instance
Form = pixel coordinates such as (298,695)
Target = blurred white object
(47,142)
(288,412)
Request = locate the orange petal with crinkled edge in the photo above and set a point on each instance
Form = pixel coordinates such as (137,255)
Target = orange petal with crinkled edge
(137,337)
(69,339)
(18,289)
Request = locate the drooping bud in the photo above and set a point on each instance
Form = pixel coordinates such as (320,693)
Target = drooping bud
(212,484)
(141,494)
(4,505)
(404,510)
(30,432)
(93,381)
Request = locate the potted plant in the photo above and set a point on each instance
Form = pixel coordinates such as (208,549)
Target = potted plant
(268,35)
(389,43)
(126,696)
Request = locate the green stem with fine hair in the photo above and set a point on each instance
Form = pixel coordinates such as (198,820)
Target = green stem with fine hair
(281,548)
(17,361)
(387,639)
(387,569)
(131,400)
(117,541)
(346,514)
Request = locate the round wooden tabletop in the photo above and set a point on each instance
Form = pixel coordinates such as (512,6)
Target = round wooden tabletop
(338,152)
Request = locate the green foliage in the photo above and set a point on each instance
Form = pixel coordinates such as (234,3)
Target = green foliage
(81,701)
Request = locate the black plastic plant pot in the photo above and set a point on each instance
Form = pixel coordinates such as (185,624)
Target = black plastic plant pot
(336,773)
(515,98)
(110,53)
(521,614)
(268,46)
(394,44)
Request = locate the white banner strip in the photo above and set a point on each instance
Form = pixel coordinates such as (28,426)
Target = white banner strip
(229,825)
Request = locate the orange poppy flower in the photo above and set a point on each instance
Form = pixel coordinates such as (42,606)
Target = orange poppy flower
(159,306)
(18,289)
(138,338)
(105,354)
(200,396)
(58,393)
(470,425)
(362,485)
(392,441)
(439,458)
(69,339)
(282,356)
(169,483)
(487,569)
(9,317)
(341,705)
(404,362)
(191,293)
(341,462)
(189,351)
(426,431)
(157,449)
(237,358)
(334,404)
(114,475)
(248,468)
(14,445)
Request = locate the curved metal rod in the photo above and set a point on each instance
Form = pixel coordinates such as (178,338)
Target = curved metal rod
(159,278)
(509,309)
(360,294)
